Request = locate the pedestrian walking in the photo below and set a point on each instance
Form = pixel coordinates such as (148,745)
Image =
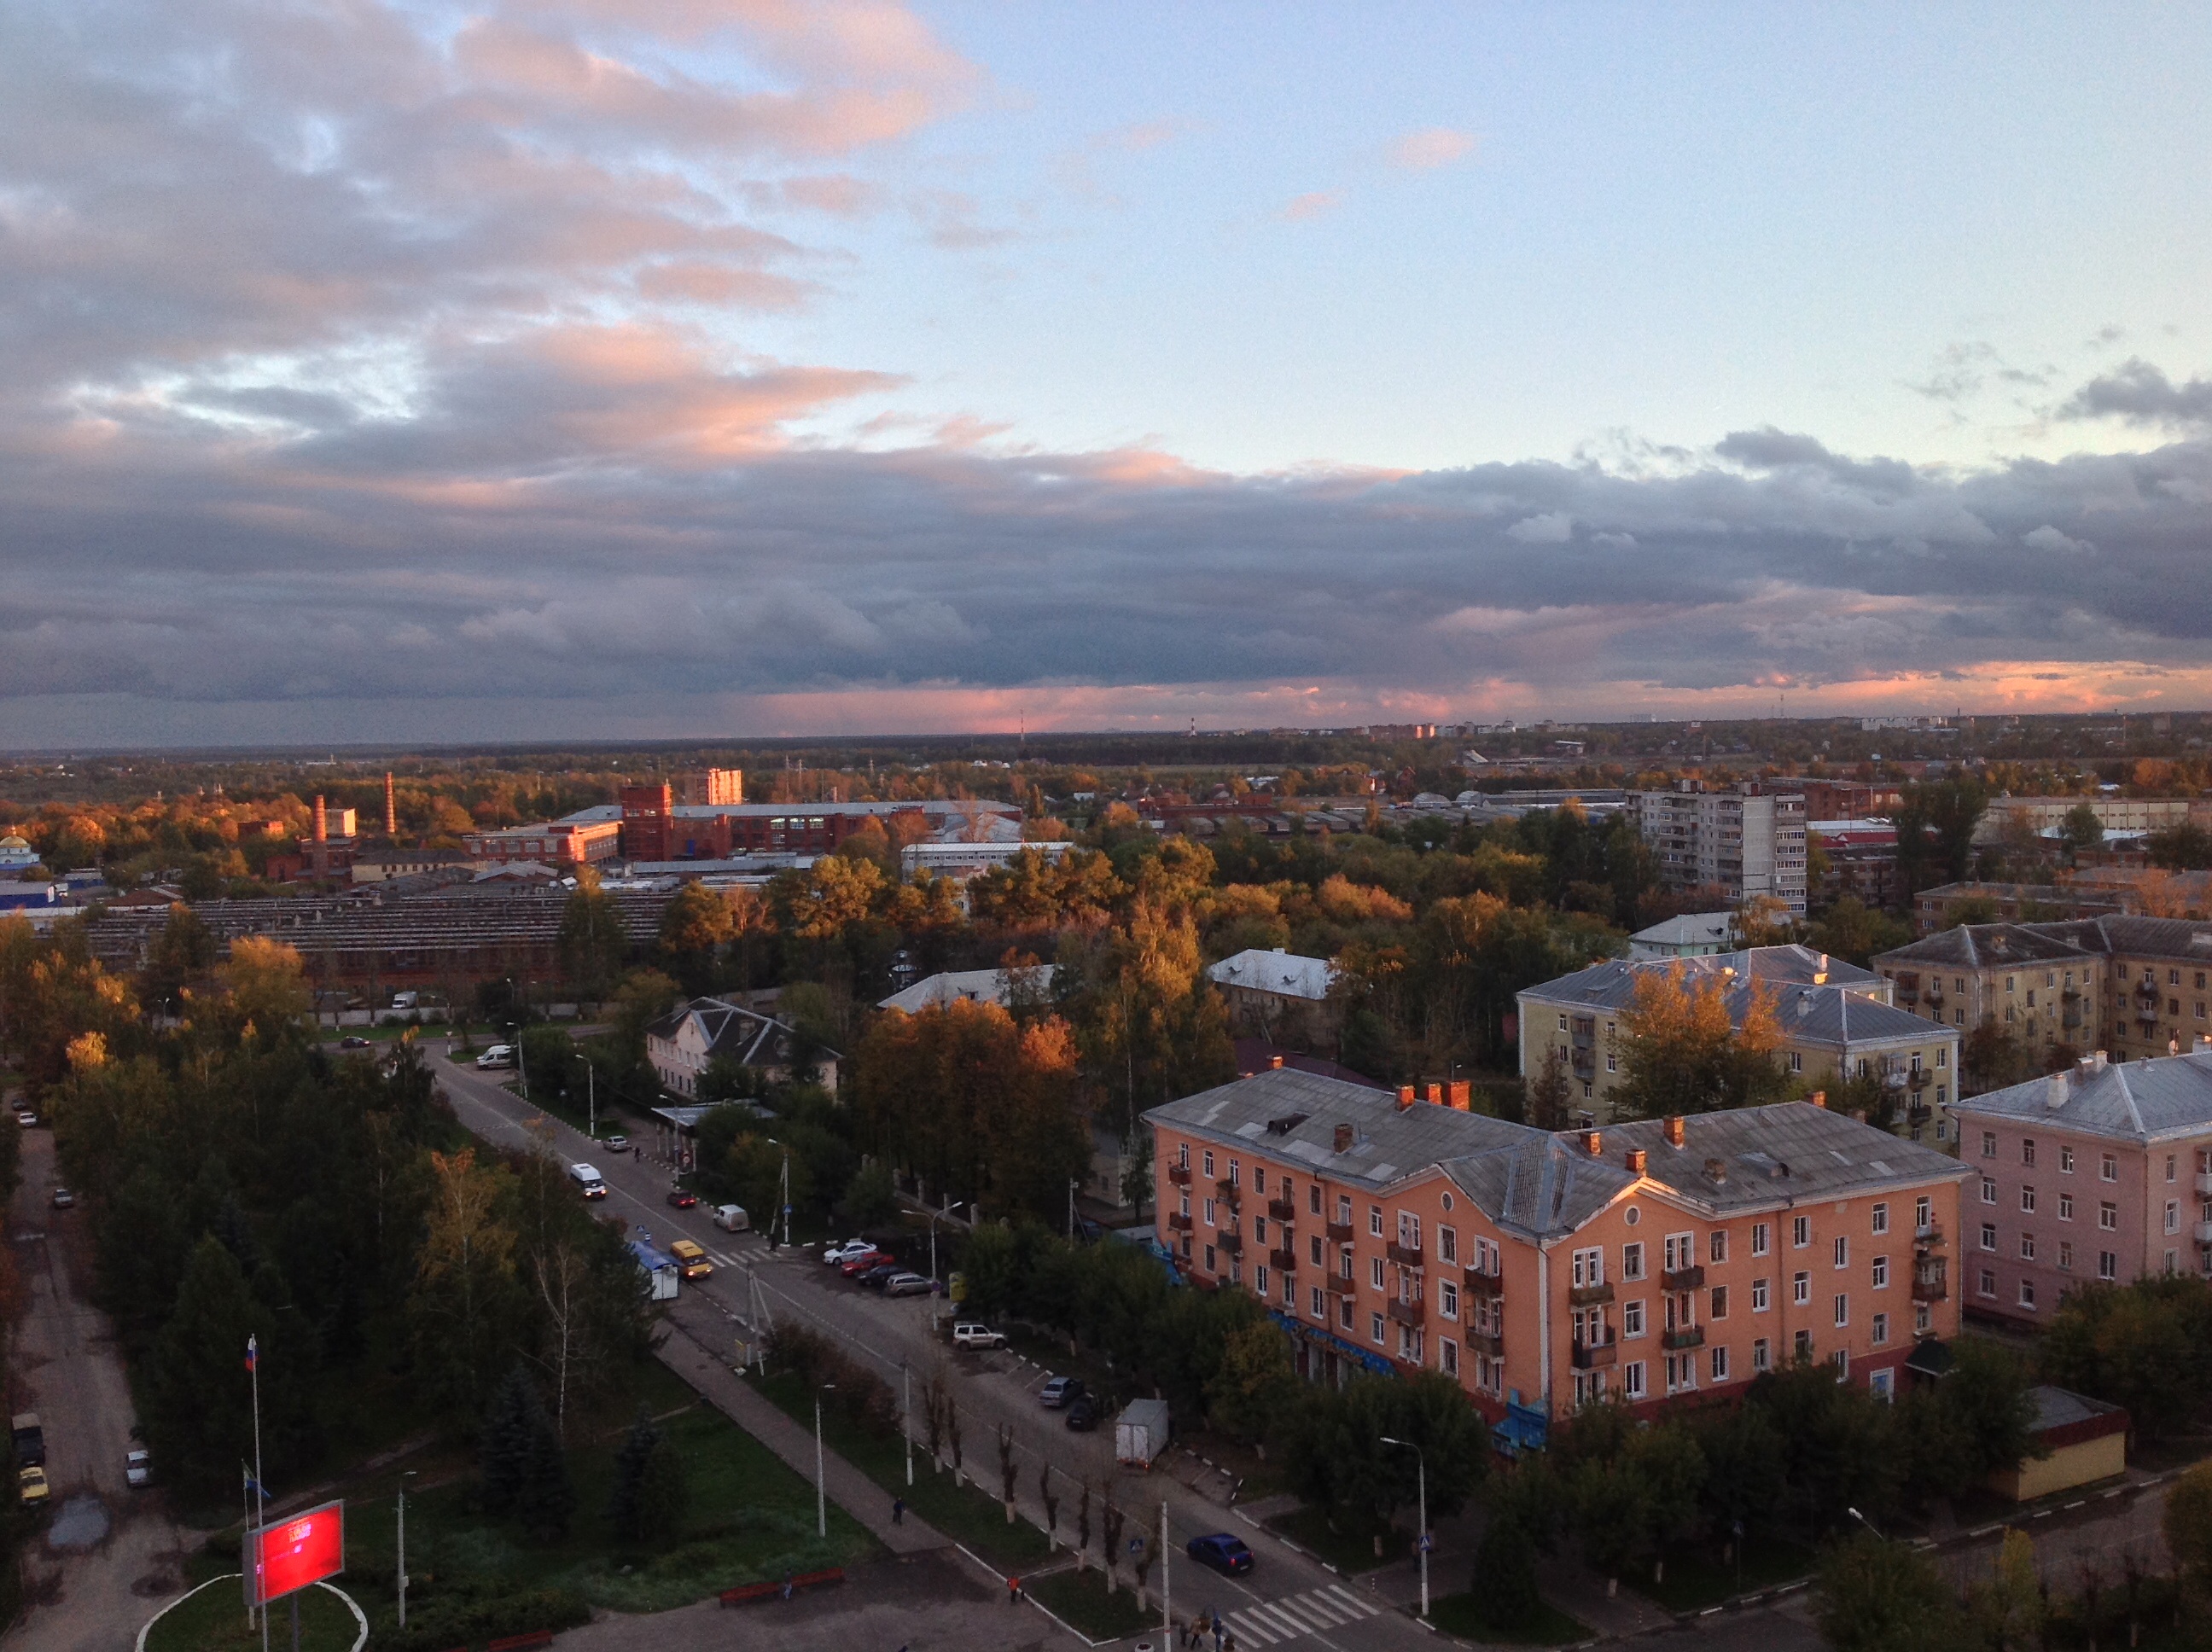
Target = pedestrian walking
(1218,1637)
(1013,1591)
(790,1583)
(898,1511)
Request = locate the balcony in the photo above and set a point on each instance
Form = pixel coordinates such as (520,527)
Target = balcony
(1232,1242)
(1232,1194)
(1920,1078)
(2204,1233)
(1485,1285)
(1482,1342)
(1929,1285)
(1934,992)
(1405,1255)
(1180,1174)
(1283,1211)
(1337,1285)
(1590,1356)
(2147,991)
(1583,1060)
(1283,1261)
(2204,1184)
(1588,1296)
(1929,1236)
(1179,1222)
(1339,1233)
(1405,1312)
(1683,1336)
(2148,1013)
(1682,1279)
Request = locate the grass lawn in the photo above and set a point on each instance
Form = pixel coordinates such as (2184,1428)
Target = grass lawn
(965,1514)
(1080,1599)
(213,1621)
(1456,1614)
(1350,1548)
(1696,1577)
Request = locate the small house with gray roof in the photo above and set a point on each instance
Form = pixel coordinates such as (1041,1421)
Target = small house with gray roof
(1649,1262)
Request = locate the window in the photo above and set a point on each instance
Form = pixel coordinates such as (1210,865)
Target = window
(1313,1246)
(1259,1229)
(1988,1191)
(1720,1365)
(2173,1216)
(1681,1251)
(1563,1023)
(1882,1218)
(1448,1244)
(1759,1361)
(2108,1168)
(1796,1062)
(1182,1201)
(1631,1319)
(1717,1250)
(1375,1328)
(2108,1216)
(1210,1222)
(1182,1155)
(2027,1151)
(2066,1161)
(2027,1246)
(1842,1306)
(1344,1312)
(1320,1305)
(1800,1231)
(1759,1238)
(1343,1210)
(1409,1230)
(1632,1260)
(1447,1356)
(1209,1162)
(1880,1332)
(1841,1250)
(2066,1255)
(2066,1207)
(1987,1283)
(1344,1262)
(2027,1199)
(1881,1272)
(1374,1221)
(1942,1054)
(1719,1311)
(2027,1294)
(2108,1265)
(1924,1214)
(1758,1296)
(1448,1299)
(1801,1289)
(1989,1144)
(1209,1260)
(2169,1167)
(1375,1273)
(1313,1199)
(1259,1176)
(1803,1344)
(1612,1063)
(1259,1283)
(1589,1267)
(1988,1236)
(1924,1319)
(1632,1379)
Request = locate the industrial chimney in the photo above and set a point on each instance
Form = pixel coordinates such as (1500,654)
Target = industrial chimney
(391,808)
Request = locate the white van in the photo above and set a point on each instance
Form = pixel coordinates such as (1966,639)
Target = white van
(730,1218)
(589,1179)
(499,1055)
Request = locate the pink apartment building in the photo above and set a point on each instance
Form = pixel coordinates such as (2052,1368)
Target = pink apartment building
(1653,1261)
(2100,1172)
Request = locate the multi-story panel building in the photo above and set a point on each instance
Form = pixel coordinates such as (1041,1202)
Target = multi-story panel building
(1747,843)
(1833,1016)
(2100,1172)
(1659,1260)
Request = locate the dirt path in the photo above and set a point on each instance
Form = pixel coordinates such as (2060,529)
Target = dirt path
(110,1555)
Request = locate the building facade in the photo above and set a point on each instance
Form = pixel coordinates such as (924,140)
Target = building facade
(2102,1172)
(1659,1261)
(1747,842)
(1280,997)
(565,843)
(683,1044)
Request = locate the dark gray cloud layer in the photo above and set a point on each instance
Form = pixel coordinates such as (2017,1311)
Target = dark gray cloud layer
(354,357)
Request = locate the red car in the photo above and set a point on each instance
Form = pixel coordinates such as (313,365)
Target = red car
(683,1198)
(854,1267)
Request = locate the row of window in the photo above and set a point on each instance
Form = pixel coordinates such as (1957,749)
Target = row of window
(2108,1164)
(2108,1211)
(1681,1248)
(1682,1372)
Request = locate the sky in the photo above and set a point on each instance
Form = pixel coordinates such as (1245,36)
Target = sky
(673,368)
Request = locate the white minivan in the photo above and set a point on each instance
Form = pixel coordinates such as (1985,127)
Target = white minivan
(499,1055)
(730,1218)
(589,1179)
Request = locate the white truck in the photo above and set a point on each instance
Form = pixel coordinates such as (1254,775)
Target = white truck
(1140,1432)
(588,1180)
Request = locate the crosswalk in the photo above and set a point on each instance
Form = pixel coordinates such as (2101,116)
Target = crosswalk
(1299,1614)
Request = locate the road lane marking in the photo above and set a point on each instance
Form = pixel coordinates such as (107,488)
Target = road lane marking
(1245,1625)
(1335,1591)
(1314,1606)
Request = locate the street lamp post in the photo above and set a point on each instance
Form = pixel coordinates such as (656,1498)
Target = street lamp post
(1421,1469)
(906,1416)
(821,1481)
(405,1477)
(957,1204)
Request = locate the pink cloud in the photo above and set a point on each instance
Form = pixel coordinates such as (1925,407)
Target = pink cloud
(1426,150)
(1316,205)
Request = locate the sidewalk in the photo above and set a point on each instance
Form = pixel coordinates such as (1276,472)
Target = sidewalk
(848,1487)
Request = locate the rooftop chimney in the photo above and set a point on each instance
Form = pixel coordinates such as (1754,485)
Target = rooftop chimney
(1435,1095)
(1716,1169)
(2098,1060)
(1634,1159)
(1672,1126)
(1343,1138)
(1405,1097)
(2054,1092)
(1459,1095)
(1593,1143)
(1273,1062)
(2200,1045)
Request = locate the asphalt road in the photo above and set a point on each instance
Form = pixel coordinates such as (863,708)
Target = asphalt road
(1289,1600)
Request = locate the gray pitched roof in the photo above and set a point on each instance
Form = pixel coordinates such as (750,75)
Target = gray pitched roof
(733,1032)
(1831,1015)
(1991,947)
(2131,1101)
(1541,1185)
(1611,984)
(1837,1013)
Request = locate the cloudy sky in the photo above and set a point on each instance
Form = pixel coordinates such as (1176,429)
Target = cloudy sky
(635,368)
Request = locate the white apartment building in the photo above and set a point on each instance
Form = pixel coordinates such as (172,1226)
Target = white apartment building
(1747,842)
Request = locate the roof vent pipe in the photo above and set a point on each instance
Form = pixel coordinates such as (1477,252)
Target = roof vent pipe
(1593,1143)
(1634,1159)
(1405,1097)
(1343,1138)
(1716,1169)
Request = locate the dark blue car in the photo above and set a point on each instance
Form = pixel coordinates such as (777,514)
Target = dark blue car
(1222,1551)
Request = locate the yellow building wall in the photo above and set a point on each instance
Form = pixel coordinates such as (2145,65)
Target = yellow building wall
(2068,1466)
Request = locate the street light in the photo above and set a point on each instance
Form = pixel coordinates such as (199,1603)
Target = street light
(957,1204)
(1421,1466)
(821,1483)
(1864,1522)
(404,1477)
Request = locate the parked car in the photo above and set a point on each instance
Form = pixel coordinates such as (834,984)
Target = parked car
(837,1253)
(904,1283)
(499,1055)
(138,1470)
(683,1198)
(861,1262)
(616,1143)
(26,1117)
(1223,1551)
(730,1218)
(354,1041)
(31,1485)
(879,1276)
(1059,1391)
(1082,1415)
(970,1334)
(63,1199)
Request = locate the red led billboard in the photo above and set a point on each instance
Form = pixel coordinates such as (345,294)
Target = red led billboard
(296,1553)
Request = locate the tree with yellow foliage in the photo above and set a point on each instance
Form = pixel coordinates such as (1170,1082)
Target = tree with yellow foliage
(265,986)
(1686,1052)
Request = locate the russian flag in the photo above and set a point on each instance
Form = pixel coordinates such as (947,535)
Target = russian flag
(252,1351)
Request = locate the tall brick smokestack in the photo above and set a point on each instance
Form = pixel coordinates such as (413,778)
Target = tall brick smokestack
(391,808)
(322,821)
